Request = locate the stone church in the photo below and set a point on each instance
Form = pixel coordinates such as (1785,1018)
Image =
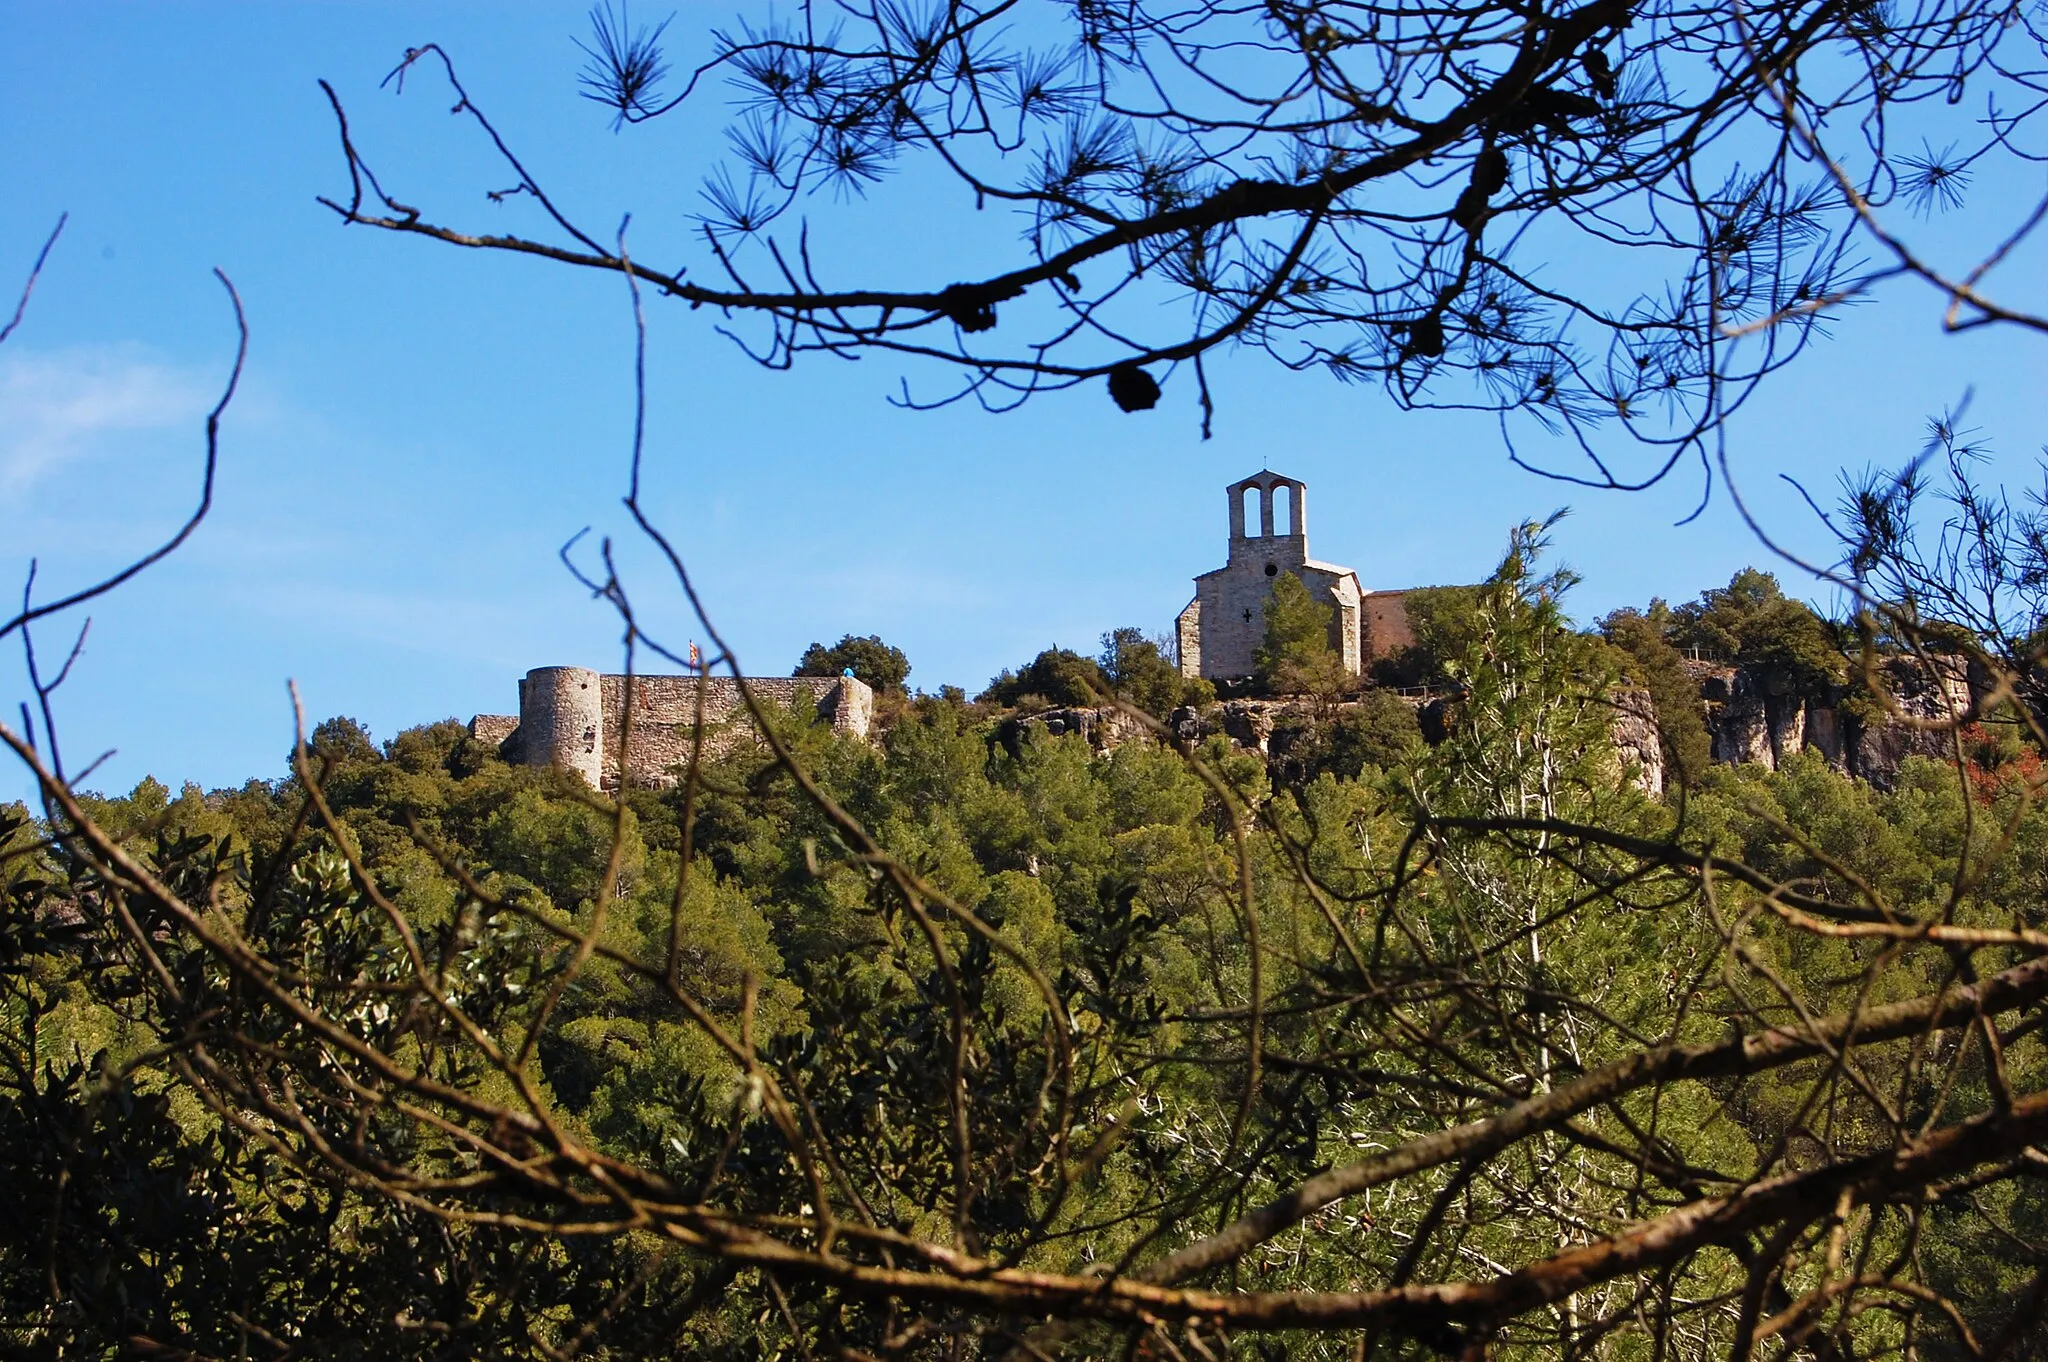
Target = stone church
(1222,627)
(577,719)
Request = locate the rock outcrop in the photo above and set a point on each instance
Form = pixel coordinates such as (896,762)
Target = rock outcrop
(1753,715)
(1636,740)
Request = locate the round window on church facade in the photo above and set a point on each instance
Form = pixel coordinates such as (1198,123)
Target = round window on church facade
(1272,569)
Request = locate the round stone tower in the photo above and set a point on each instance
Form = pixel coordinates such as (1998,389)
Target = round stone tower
(561,720)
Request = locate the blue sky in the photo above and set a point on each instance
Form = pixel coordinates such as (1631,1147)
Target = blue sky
(420,428)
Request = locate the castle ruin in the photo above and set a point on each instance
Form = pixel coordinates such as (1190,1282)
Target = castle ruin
(575,719)
(1220,631)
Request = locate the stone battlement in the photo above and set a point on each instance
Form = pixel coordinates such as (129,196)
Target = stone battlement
(575,718)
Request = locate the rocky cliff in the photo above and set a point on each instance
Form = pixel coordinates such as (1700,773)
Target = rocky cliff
(1751,715)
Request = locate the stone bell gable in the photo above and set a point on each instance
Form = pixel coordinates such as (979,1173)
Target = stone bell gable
(1220,631)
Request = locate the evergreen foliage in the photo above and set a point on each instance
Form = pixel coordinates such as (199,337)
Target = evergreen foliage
(463,1059)
(1444,621)
(1751,622)
(868,658)
(1659,668)
(1057,676)
(1295,656)
(957,1048)
(1140,672)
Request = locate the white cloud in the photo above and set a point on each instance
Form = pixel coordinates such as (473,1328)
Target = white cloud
(59,406)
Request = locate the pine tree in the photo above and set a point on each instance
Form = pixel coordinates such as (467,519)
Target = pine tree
(1295,657)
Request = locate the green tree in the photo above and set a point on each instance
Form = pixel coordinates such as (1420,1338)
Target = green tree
(465,1061)
(1057,676)
(1752,622)
(1295,656)
(1380,733)
(1444,621)
(1533,715)
(1139,671)
(343,741)
(1660,668)
(405,1070)
(867,657)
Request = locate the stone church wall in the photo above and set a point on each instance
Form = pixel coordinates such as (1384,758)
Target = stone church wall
(1386,624)
(1220,631)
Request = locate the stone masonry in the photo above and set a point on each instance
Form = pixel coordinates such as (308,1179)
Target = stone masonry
(1220,631)
(575,718)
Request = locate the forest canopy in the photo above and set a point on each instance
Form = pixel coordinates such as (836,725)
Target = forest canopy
(1441,1032)
(944,1046)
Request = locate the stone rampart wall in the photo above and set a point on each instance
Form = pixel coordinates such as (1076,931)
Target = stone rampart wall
(495,730)
(664,716)
(1187,630)
(663,721)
